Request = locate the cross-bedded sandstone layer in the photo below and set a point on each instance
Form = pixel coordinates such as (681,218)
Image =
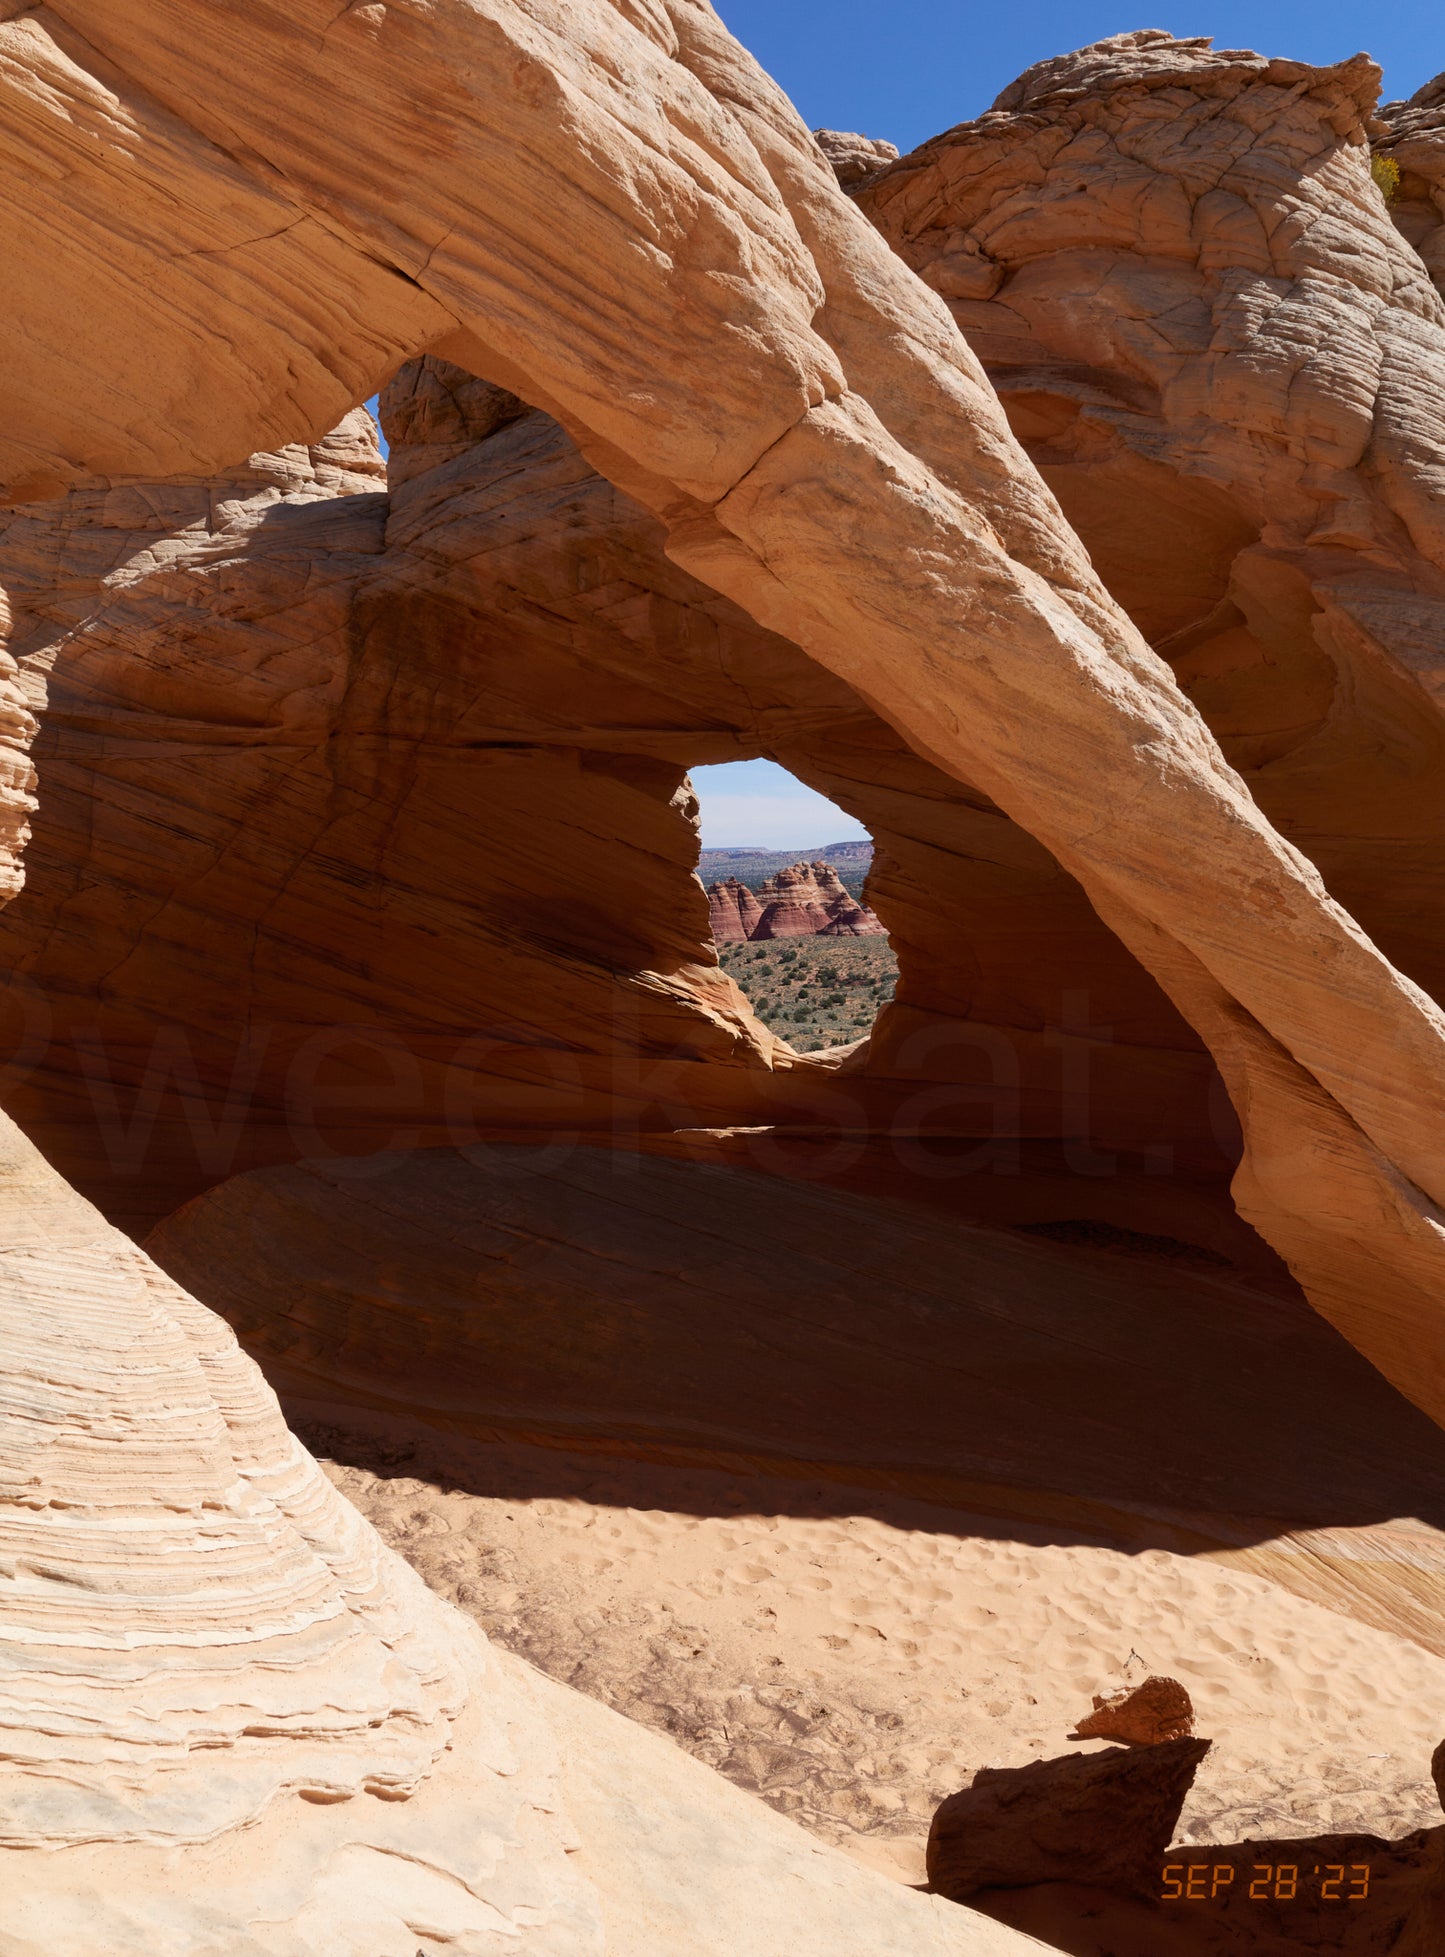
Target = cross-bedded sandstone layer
(201,1638)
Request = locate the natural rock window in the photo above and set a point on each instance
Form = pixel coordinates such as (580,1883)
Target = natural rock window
(793,927)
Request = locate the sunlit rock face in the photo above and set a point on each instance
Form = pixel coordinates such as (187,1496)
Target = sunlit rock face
(1230,368)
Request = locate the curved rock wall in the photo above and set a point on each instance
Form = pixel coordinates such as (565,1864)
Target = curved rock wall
(365,828)
(328,849)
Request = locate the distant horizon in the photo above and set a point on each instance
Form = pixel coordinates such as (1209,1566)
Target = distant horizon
(747,800)
(782,849)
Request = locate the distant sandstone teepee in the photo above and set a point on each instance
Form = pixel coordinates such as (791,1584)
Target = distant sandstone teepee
(807,900)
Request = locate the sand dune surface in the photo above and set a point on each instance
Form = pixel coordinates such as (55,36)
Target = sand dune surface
(853,1668)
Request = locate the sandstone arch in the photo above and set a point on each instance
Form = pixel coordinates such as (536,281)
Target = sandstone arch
(411,768)
(817,403)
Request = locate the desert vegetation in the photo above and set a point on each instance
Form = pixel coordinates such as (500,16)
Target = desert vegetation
(815,992)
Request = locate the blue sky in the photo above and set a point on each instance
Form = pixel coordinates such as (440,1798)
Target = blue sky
(758,802)
(909,68)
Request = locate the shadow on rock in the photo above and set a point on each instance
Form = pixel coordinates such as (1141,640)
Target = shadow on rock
(1104,1818)
(1076,1851)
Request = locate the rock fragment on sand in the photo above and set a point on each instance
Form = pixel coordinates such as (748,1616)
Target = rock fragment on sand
(1148,1714)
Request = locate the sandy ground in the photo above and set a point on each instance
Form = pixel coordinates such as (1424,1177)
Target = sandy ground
(854,1661)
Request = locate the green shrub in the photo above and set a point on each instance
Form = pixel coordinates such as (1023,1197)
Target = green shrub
(1386,172)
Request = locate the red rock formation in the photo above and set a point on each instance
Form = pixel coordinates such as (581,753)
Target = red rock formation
(734,911)
(807,900)
(855,921)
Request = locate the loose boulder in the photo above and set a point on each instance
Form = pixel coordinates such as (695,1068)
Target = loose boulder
(1105,1819)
